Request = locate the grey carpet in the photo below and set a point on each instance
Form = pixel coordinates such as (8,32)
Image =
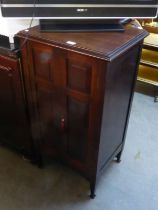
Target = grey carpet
(130,185)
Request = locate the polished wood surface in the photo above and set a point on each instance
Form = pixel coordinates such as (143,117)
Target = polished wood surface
(119,84)
(79,96)
(106,45)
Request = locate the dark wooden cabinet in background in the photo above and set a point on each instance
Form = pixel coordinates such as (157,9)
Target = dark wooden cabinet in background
(14,129)
(79,88)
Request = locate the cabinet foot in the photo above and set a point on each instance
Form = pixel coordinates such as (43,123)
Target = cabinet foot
(156,99)
(118,157)
(92,191)
(40,162)
(92,195)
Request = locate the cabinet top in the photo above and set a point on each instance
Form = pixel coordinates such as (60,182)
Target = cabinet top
(104,45)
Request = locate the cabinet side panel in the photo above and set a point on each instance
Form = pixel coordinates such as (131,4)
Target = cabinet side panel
(119,86)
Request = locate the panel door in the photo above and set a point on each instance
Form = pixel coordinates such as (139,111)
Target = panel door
(46,97)
(78,84)
(83,86)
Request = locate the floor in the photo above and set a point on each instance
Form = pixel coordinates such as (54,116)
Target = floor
(130,185)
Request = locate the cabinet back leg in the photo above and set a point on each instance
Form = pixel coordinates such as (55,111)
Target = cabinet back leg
(118,157)
(40,161)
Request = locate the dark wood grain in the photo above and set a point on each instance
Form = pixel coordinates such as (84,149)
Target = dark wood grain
(105,45)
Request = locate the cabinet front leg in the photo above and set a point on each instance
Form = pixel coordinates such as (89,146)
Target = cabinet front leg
(92,190)
(38,160)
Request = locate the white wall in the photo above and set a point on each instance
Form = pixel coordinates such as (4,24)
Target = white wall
(9,27)
(3,26)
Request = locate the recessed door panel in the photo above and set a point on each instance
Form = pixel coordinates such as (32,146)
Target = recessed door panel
(43,62)
(79,75)
(78,114)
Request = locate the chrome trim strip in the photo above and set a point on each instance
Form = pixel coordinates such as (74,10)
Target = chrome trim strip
(79,18)
(80,5)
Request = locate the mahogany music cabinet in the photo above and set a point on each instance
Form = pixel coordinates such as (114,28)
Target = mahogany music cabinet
(79,89)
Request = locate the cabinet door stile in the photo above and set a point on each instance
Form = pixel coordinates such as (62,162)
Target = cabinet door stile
(43,95)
